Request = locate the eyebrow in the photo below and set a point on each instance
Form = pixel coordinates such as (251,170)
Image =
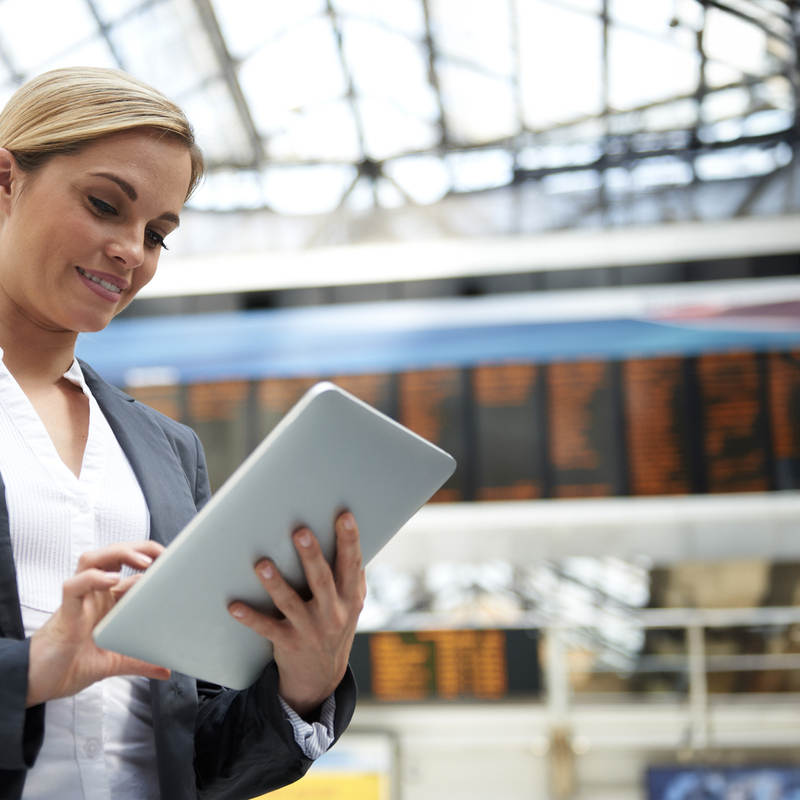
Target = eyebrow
(130,192)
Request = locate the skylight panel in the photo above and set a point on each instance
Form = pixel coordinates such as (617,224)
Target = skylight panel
(477,170)
(326,132)
(112,10)
(388,131)
(217,124)
(736,43)
(95,51)
(28,45)
(249,25)
(669,116)
(560,64)
(424,178)
(297,71)
(671,71)
(388,65)
(474,32)
(166,45)
(307,189)
(401,16)
(653,16)
(478,109)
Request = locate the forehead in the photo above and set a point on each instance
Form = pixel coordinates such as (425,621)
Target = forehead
(156,166)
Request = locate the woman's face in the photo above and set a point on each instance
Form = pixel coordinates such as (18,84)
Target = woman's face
(81,236)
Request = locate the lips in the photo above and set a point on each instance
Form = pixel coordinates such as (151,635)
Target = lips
(111,287)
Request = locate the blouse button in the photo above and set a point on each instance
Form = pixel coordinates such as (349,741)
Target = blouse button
(91,747)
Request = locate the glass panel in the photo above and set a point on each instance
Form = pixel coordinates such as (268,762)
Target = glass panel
(735,43)
(480,169)
(671,71)
(111,10)
(307,189)
(166,45)
(299,137)
(218,125)
(388,131)
(384,64)
(423,178)
(404,16)
(29,44)
(95,52)
(251,24)
(478,108)
(475,32)
(297,71)
(560,64)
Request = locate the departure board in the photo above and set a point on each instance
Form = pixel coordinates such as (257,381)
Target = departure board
(734,427)
(275,396)
(166,399)
(509,443)
(446,664)
(584,453)
(217,412)
(784,395)
(655,426)
(379,391)
(432,404)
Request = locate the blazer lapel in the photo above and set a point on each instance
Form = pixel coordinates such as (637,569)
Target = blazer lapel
(10,614)
(155,464)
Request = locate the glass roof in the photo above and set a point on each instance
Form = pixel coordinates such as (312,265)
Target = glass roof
(304,106)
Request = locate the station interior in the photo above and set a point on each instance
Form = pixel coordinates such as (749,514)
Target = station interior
(561,240)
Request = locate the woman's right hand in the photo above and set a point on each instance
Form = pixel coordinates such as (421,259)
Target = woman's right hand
(63,657)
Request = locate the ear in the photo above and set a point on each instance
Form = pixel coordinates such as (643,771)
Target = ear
(10,179)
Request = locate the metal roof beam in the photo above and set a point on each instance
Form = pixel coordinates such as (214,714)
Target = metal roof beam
(228,67)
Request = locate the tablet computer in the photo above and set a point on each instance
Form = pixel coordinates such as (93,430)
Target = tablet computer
(329,453)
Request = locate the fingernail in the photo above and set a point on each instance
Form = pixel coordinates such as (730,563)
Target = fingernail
(304,539)
(144,559)
(266,571)
(113,576)
(348,522)
(237,612)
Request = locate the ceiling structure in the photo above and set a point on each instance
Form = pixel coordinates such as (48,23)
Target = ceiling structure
(316,105)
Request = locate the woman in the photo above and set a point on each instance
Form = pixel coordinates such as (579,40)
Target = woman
(94,169)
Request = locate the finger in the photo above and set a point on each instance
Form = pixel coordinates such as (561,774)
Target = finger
(285,598)
(349,561)
(133,666)
(138,555)
(265,626)
(124,585)
(84,583)
(318,572)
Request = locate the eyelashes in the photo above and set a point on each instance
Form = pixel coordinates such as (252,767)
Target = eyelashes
(152,239)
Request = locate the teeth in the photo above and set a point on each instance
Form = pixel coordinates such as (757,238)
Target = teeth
(105,284)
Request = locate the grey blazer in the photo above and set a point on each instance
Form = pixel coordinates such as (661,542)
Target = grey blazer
(211,742)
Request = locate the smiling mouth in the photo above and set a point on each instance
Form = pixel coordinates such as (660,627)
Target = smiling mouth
(105,284)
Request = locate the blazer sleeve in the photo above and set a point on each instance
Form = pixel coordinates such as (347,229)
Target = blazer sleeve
(244,745)
(21,729)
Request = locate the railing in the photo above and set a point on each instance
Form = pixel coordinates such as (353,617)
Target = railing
(696,662)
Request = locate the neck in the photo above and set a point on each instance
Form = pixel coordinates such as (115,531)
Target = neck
(35,356)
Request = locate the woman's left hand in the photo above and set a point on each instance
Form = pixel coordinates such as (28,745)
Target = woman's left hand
(312,642)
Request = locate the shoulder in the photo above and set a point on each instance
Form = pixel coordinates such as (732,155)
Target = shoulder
(182,438)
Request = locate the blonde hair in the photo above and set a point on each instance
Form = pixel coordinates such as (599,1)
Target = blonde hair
(62,111)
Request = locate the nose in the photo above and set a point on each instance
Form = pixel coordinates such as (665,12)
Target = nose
(126,248)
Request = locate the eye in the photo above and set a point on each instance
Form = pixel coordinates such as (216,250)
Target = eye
(153,239)
(101,206)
